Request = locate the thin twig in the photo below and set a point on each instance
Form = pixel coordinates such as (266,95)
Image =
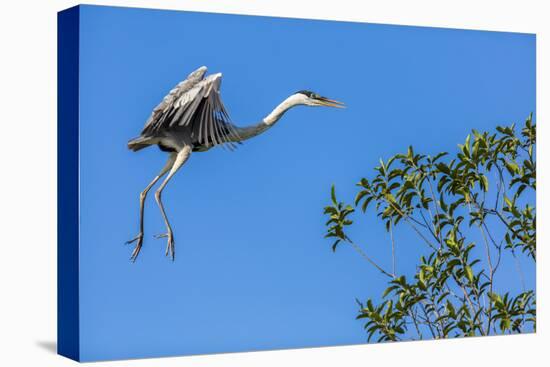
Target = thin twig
(392,248)
(518,268)
(406,217)
(415,322)
(366,257)
(428,320)
(436,209)
(427,226)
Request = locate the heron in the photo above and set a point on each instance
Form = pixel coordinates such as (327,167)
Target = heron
(192,118)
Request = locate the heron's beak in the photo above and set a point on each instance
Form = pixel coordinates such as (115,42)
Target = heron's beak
(323,101)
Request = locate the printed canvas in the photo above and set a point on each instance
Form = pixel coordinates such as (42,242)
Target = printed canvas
(233,183)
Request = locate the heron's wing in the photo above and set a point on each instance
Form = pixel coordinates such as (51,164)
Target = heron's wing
(196,103)
(158,119)
(207,117)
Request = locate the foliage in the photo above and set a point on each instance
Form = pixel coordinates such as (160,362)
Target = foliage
(467,224)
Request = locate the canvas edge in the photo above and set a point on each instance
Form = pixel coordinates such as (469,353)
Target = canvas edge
(68,325)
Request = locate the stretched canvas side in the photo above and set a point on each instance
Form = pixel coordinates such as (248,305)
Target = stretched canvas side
(67,177)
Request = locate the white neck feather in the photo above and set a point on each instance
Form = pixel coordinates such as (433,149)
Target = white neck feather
(280,110)
(270,120)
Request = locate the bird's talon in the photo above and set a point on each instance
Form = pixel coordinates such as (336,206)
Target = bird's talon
(170,245)
(137,249)
(139,236)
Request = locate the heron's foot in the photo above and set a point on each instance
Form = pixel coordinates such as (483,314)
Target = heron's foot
(139,241)
(170,245)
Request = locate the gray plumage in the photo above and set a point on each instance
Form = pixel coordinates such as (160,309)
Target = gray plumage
(192,112)
(192,118)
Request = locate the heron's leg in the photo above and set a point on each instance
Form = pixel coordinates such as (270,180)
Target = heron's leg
(142,196)
(181,158)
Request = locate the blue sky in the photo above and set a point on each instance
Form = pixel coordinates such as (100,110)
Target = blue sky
(252,270)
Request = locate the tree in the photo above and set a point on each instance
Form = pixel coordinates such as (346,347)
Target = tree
(466,225)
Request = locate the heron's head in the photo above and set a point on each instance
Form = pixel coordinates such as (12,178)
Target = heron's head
(310,98)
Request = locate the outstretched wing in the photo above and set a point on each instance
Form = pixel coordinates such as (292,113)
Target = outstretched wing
(195,103)
(160,113)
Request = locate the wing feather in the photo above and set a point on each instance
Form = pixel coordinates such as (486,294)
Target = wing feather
(196,103)
(165,108)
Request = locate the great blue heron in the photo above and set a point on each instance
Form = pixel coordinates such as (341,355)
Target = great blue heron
(192,118)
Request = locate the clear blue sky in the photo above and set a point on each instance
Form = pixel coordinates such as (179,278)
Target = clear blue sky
(252,269)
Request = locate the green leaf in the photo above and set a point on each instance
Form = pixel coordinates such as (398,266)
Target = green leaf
(439,155)
(335,244)
(360,195)
(333,195)
(443,168)
(450,309)
(512,167)
(504,324)
(469,273)
(484,183)
(507,201)
(366,204)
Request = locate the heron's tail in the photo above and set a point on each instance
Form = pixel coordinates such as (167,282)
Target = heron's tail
(139,143)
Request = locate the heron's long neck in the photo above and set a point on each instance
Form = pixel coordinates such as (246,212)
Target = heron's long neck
(251,131)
